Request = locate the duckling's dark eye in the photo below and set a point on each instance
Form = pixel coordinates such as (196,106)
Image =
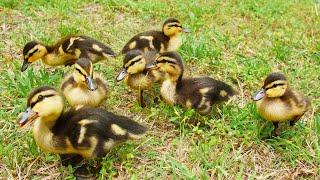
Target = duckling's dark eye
(40,98)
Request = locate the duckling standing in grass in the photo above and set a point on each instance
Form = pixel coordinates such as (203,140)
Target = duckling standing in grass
(276,102)
(66,51)
(136,73)
(169,39)
(198,93)
(82,87)
(86,131)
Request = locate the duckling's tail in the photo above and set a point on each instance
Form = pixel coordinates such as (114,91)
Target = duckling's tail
(134,130)
(223,91)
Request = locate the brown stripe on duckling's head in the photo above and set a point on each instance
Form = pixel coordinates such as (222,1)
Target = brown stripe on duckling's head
(273,77)
(85,64)
(44,102)
(134,62)
(84,73)
(131,55)
(275,85)
(32,51)
(171,63)
(172,27)
(29,46)
(36,91)
(171,21)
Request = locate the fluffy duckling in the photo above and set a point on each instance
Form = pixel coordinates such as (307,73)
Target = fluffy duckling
(137,74)
(169,39)
(199,93)
(86,131)
(82,88)
(276,102)
(65,51)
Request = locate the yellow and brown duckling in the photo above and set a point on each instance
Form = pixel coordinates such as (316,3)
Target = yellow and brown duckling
(86,131)
(66,51)
(277,102)
(136,73)
(169,39)
(83,87)
(199,93)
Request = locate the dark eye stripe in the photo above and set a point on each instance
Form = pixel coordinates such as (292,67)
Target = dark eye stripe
(166,61)
(40,98)
(133,62)
(80,72)
(174,25)
(30,54)
(275,85)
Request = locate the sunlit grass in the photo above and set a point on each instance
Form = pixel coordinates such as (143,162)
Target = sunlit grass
(239,42)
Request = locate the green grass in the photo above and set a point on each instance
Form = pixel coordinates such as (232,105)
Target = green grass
(239,42)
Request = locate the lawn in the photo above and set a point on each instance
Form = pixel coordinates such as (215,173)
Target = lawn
(236,41)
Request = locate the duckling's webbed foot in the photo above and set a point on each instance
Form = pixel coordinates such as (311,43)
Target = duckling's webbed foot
(86,171)
(70,159)
(293,122)
(156,100)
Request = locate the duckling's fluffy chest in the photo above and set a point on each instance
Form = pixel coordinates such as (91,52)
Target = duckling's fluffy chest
(140,81)
(275,110)
(81,95)
(168,92)
(174,43)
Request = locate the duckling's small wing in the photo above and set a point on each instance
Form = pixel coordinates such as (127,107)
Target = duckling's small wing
(219,90)
(134,129)
(88,45)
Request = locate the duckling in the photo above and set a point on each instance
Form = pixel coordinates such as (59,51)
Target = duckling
(66,51)
(199,93)
(82,88)
(277,102)
(136,73)
(169,39)
(86,131)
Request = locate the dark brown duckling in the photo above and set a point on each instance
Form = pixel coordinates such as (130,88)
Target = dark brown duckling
(199,93)
(169,39)
(86,131)
(66,51)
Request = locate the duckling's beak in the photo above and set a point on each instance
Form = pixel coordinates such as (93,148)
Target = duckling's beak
(259,95)
(186,30)
(90,83)
(24,65)
(28,116)
(121,75)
